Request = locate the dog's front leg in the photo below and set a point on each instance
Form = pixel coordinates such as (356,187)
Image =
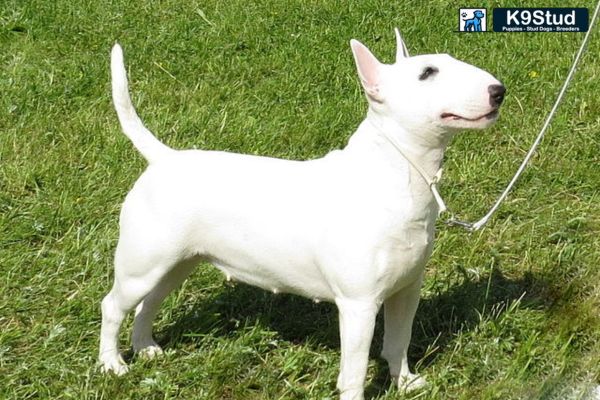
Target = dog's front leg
(357,322)
(399,312)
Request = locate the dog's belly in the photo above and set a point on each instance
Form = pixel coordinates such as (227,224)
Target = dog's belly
(266,245)
(304,280)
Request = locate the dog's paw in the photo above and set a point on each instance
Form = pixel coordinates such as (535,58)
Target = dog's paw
(410,382)
(353,394)
(114,365)
(149,352)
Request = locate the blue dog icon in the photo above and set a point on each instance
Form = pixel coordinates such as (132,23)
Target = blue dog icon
(474,24)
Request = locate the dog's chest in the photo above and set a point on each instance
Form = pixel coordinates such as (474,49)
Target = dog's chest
(404,246)
(381,237)
(404,253)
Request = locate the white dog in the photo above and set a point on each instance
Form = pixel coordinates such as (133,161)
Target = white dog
(355,227)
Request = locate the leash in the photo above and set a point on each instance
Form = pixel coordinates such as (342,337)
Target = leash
(433,181)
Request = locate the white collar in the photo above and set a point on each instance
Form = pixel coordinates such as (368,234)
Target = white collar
(431,181)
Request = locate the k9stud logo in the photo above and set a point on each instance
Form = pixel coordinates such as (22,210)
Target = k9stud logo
(540,19)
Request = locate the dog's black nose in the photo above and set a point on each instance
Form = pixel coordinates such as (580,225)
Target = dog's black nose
(496,94)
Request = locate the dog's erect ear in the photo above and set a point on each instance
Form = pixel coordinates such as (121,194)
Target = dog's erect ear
(368,69)
(401,50)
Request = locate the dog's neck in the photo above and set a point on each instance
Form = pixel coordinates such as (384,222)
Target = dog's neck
(426,149)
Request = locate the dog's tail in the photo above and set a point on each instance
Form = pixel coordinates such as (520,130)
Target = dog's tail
(143,140)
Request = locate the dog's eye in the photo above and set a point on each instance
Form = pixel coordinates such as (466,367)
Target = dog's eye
(427,73)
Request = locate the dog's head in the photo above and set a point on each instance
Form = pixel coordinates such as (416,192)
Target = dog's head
(478,14)
(432,93)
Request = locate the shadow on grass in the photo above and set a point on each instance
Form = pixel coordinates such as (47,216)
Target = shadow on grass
(298,320)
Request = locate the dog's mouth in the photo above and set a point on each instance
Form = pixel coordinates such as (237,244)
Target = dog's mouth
(454,117)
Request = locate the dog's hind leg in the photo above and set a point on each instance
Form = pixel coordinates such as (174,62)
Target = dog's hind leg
(399,312)
(122,298)
(143,342)
(141,263)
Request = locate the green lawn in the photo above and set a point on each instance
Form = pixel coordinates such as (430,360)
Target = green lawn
(511,312)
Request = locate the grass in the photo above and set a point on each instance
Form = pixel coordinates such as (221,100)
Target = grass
(511,312)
